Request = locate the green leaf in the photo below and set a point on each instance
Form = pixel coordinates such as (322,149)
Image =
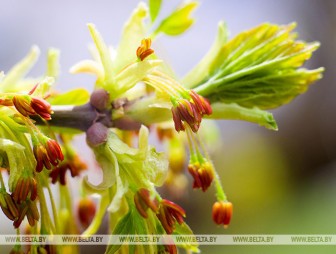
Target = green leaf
(260,68)
(154,8)
(109,165)
(124,227)
(178,21)
(75,97)
(210,62)
(131,75)
(134,31)
(233,111)
(104,53)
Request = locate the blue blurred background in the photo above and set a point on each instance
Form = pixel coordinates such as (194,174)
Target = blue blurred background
(280,182)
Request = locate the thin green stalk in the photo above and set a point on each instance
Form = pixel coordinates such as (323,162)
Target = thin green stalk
(54,209)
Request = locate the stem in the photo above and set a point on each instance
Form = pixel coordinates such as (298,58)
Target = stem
(82,117)
(76,117)
(46,223)
(220,194)
(53,207)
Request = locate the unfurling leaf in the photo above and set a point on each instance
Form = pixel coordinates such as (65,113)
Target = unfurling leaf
(258,68)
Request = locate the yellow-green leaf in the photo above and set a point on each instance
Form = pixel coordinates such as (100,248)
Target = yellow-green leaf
(178,21)
(154,8)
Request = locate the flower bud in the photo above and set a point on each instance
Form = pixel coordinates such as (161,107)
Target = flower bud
(99,99)
(96,134)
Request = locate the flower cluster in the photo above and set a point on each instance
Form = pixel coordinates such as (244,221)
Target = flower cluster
(48,153)
(166,211)
(190,111)
(203,174)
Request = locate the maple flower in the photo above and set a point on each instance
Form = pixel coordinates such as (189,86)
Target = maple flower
(8,206)
(24,187)
(169,213)
(222,213)
(47,154)
(144,49)
(203,174)
(28,209)
(190,111)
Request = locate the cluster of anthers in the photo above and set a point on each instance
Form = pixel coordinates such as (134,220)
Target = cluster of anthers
(190,111)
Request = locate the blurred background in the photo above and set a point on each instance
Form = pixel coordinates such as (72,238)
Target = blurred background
(279,182)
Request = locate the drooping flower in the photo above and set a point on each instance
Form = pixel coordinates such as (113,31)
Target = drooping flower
(169,213)
(26,187)
(28,209)
(190,110)
(74,164)
(222,213)
(203,174)
(47,153)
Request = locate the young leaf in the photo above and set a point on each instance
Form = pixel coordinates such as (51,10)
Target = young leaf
(233,111)
(124,227)
(78,96)
(178,21)
(104,54)
(154,8)
(134,31)
(260,68)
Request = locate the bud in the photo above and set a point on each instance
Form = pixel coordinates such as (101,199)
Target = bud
(144,50)
(96,134)
(86,211)
(99,99)
(203,174)
(222,213)
(169,213)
